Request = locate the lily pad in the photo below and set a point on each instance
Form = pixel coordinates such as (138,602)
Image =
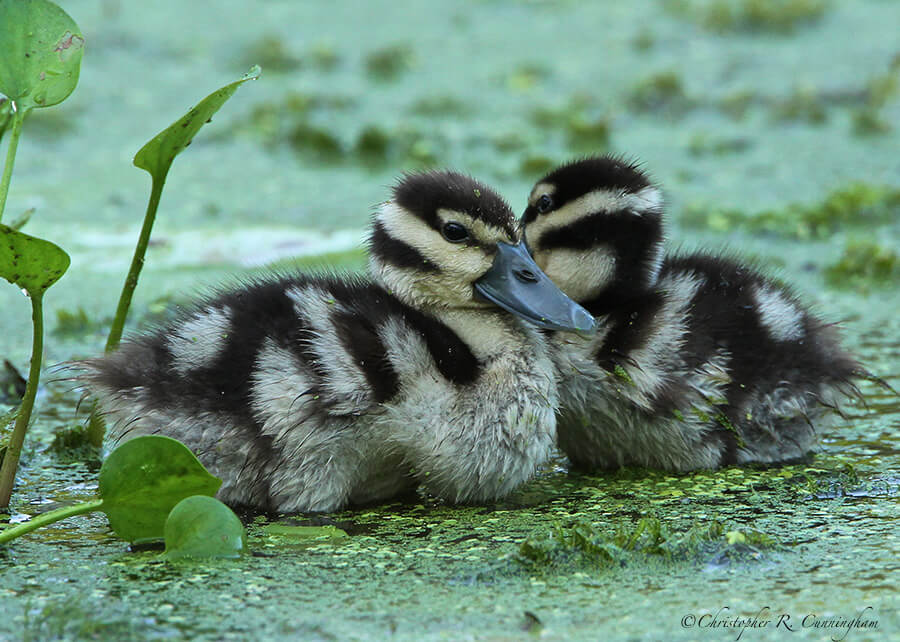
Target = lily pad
(201,526)
(157,155)
(144,478)
(42,49)
(30,262)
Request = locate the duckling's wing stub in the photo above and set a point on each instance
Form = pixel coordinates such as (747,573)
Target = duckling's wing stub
(517,284)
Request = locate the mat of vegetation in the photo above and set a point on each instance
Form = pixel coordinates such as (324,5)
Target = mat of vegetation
(774,136)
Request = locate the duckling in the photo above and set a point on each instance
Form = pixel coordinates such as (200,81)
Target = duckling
(311,392)
(699,361)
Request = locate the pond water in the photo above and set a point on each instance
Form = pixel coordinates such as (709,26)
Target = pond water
(733,112)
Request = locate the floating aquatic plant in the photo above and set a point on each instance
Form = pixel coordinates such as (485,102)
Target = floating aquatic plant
(865,265)
(141,482)
(857,205)
(771,16)
(388,63)
(584,544)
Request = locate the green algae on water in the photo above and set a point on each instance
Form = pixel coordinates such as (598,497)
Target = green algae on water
(856,206)
(535,164)
(770,16)
(584,544)
(388,63)
(583,129)
(76,323)
(866,265)
(271,53)
(805,104)
(661,93)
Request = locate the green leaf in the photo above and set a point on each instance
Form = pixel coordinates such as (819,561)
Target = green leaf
(157,155)
(41,53)
(29,262)
(305,533)
(202,526)
(144,478)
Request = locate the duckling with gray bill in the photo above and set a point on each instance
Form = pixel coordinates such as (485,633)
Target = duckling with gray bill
(699,361)
(310,392)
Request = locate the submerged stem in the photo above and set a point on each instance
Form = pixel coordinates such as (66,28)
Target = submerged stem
(48,518)
(115,332)
(14,449)
(18,118)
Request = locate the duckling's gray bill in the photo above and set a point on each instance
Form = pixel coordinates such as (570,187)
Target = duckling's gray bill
(518,285)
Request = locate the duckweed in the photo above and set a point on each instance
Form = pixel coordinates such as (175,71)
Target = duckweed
(388,63)
(271,54)
(702,144)
(771,16)
(317,141)
(373,143)
(643,40)
(324,56)
(736,104)
(527,76)
(584,130)
(662,92)
(864,265)
(75,324)
(589,135)
(868,122)
(622,374)
(274,121)
(442,105)
(586,544)
(535,165)
(405,145)
(75,443)
(858,205)
(805,104)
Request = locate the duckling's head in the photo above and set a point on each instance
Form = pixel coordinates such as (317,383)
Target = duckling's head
(447,241)
(595,227)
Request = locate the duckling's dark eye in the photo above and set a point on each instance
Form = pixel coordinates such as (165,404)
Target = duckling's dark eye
(544,203)
(454,232)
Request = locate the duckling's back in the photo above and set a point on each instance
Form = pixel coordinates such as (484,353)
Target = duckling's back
(786,370)
(251,377)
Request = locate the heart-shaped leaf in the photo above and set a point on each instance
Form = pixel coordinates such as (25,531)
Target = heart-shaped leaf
(203,526)
(157,155)
(144,478)
(29,262)
(41,53)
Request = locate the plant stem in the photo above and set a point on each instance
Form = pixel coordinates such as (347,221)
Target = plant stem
(48,518)
(18,119)
(14,449)
(115,332)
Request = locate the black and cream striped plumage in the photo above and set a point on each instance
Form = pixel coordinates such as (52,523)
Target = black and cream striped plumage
(699,362)
(305,393)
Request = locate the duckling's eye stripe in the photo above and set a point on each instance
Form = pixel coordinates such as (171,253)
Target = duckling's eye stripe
(395,252)
(613,228)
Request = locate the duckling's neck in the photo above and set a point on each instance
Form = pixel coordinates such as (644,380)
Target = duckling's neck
(489,333)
